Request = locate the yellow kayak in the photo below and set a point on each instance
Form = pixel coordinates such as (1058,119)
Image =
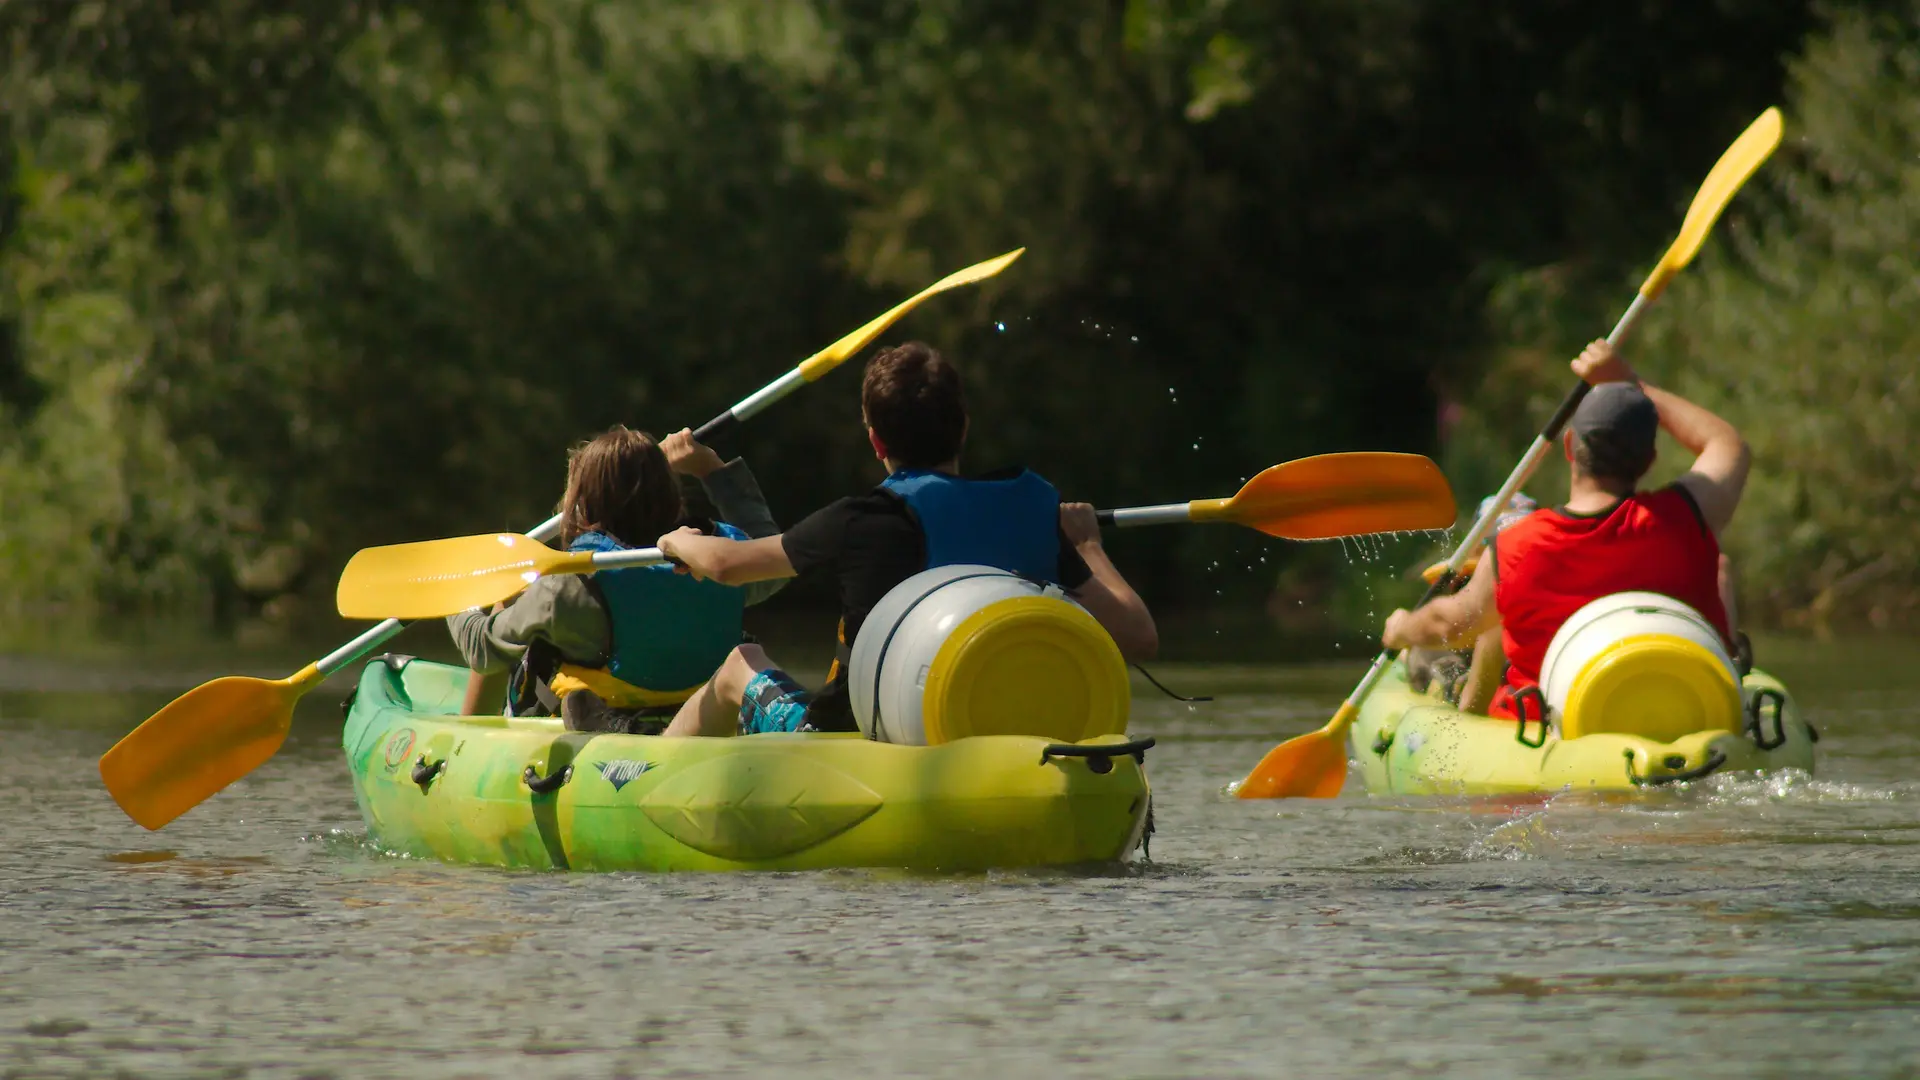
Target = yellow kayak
(524,792)
(1406,742)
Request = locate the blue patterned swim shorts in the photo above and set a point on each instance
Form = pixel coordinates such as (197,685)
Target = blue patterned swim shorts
(774,702)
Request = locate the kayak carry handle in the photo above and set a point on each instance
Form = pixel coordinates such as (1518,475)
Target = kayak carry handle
(1715,759)
(1530,692)
(425,774)
(546,785)
(1754,726)
(1099,756)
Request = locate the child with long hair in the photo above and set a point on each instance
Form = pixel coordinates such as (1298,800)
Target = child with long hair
(619,649)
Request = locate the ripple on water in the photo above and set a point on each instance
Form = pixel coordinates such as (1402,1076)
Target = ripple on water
(1742,927)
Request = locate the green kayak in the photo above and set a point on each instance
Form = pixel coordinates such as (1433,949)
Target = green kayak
(523,792)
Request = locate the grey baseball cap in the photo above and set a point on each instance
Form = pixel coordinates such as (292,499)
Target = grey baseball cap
(1617,421)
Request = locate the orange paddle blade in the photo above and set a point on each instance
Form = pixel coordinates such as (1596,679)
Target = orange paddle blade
(1432,573)
(1310,766)
(1329,495)
(202,741)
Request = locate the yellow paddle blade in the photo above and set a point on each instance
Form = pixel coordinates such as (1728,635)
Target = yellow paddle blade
(1746,154)
(443,577)
(835,354)
(1310,766)
(1329,495)
(202,741)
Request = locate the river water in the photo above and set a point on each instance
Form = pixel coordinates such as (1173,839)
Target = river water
(1744,928)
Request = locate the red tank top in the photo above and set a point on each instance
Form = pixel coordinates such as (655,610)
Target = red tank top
(1551,564)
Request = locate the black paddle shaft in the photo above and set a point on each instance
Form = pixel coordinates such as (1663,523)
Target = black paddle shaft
(1565,412)
(719,425)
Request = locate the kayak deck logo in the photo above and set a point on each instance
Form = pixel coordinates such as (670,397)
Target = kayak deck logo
(622,772)
(399,745)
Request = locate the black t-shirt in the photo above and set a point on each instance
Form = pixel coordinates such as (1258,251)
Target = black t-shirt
(870,543)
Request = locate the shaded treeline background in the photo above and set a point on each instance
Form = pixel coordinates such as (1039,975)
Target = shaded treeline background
(281,279)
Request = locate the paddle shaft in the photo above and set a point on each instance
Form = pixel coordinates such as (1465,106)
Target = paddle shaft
(805,372)
(1516,480)
(1164,514)
(748,406)
(387,629)
(817,365)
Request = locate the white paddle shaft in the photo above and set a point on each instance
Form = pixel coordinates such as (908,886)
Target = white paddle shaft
(1165,514)
(613,560)
(387,629)
(768,394)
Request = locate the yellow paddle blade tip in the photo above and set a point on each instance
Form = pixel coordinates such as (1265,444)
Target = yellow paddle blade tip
(1728,175)
(814,367)
(985,270)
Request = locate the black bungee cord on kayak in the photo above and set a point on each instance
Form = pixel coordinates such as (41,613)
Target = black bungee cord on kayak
(1157,686)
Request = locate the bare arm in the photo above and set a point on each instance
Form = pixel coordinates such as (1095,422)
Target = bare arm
(1448,621)
(1106,595)
(1720,456)
(729,562)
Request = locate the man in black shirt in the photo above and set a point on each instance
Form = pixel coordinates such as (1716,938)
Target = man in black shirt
(924,515)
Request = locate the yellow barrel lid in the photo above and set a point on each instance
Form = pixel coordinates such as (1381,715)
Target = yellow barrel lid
(1657,686)
(1026,665)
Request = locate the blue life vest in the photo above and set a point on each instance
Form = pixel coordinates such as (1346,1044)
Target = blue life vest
(670,632)
(1012,523)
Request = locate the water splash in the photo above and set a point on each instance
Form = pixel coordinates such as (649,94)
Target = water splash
(1791,787)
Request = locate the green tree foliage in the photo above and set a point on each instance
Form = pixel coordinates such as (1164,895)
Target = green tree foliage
(1795,324)
(1805,335)
(278,280)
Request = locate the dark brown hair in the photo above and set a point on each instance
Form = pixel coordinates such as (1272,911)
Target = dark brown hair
(1607,461)
(619,484)
(912,400)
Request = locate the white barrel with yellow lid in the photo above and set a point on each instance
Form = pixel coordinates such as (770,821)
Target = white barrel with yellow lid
(973,650)
(1640,663)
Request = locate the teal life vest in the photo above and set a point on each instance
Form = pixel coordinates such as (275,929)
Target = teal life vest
(1011,522)
(670,632)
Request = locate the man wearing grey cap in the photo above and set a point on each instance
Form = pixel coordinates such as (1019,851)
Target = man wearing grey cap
(1609,536)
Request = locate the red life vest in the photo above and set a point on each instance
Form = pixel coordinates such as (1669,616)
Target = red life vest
(1551,564)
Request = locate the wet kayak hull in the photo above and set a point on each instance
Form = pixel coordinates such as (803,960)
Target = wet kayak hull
(1411,743)
(525,793)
